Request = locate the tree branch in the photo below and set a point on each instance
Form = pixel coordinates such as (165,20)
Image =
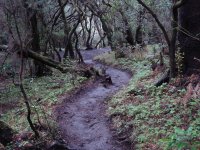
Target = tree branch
(157,21)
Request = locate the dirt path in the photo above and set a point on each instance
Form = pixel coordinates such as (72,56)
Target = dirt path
(82,119)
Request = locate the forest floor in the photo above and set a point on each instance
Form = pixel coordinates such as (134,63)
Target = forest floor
(82,118)
(150,117)
(44,94)
(130,114)
(87,100)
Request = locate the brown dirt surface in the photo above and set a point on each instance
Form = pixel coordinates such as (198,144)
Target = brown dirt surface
(81,117)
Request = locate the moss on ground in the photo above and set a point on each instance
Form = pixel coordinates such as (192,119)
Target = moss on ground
(164,117)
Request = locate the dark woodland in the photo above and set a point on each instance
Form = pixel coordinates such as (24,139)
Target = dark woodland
(99,75)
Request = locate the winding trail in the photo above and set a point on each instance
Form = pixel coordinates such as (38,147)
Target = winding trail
(82,119)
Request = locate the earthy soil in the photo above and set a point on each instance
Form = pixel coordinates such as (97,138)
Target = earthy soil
(82,118)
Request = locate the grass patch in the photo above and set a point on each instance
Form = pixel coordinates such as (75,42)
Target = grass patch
(43,94)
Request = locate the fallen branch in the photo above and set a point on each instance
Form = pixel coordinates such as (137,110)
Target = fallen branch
(83,71)
(43,59)
(164,79)
(47,61)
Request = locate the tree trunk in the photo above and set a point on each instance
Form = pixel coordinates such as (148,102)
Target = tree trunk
(138,35)
(40,68)
(172,47)
(56,51)
(89,31)
(129,33)
(107,30)
(189,37)
(77,48)
(139,32)
(68,47)
(170,42)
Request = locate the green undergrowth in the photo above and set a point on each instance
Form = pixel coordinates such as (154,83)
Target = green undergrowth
(43,94)
(154,118)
